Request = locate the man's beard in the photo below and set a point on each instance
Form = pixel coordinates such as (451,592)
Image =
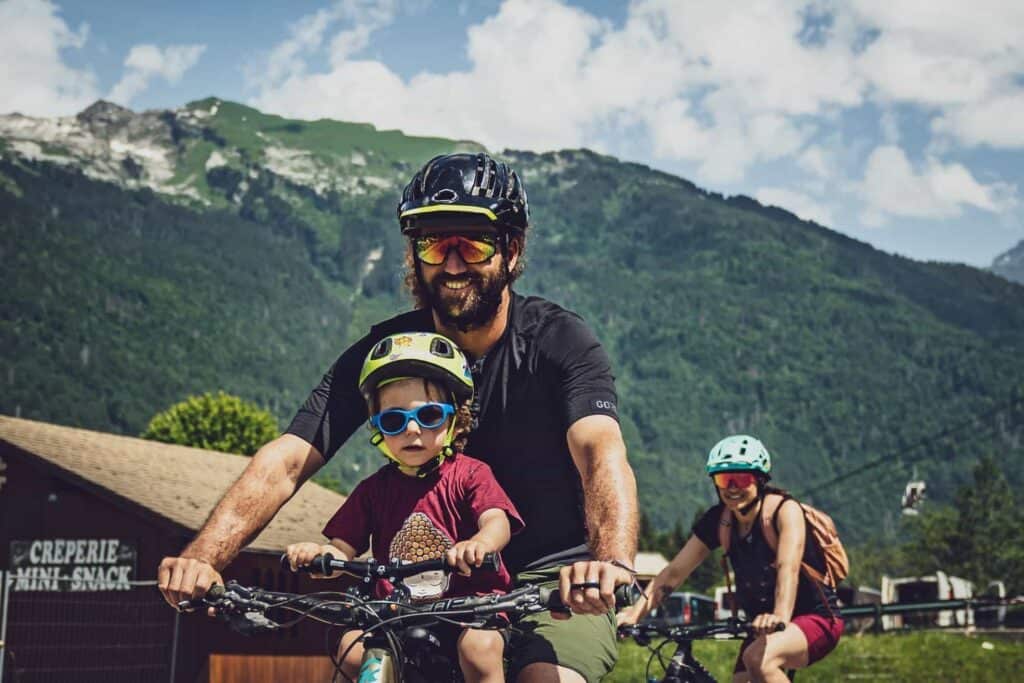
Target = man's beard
(470,308)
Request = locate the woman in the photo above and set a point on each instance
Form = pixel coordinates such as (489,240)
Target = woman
(769,582)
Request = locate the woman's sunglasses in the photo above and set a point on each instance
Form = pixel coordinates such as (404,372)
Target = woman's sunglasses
(739,480)
(429,416)
(433,249)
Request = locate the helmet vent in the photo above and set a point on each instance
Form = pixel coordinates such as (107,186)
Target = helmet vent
(439,347)
(382,349)
(743,451)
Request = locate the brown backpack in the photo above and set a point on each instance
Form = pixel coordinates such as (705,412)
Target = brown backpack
(820,526)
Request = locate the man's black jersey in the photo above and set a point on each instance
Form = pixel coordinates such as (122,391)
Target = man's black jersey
(547,371)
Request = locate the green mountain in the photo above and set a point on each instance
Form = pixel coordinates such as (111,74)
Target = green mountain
(151,256)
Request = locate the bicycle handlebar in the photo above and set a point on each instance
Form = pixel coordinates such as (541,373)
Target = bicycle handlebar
(733,628)
(245,607)
(393,571)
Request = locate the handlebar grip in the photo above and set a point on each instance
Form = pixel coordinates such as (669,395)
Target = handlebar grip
(625,596)
(215,593)
(492,562)
(321,564)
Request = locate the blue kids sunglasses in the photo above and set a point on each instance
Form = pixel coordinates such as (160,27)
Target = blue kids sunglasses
(429,416)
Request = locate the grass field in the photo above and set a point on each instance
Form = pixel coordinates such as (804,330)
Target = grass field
(903,658)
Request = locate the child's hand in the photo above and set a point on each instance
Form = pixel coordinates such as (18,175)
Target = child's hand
(634,613)
(301,554)
(465,555)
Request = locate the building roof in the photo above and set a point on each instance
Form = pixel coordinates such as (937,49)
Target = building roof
(649,564)
(177,483)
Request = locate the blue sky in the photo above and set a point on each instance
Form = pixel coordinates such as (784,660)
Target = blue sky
(896,122)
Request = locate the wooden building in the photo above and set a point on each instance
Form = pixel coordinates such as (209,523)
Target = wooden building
(85,518)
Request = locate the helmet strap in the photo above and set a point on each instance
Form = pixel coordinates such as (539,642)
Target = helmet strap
(752,504)
(420,471)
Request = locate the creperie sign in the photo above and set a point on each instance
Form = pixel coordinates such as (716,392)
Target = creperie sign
(72,564)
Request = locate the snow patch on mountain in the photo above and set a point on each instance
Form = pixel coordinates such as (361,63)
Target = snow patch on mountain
(215,159)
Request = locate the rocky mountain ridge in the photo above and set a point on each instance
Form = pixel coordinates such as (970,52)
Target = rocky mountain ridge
(1010,264)
(155,255)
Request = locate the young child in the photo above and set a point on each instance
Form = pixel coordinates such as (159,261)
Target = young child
(771,588)
(430,500)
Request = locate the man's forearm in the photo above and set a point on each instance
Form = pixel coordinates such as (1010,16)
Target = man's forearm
(267,483)
(610,505)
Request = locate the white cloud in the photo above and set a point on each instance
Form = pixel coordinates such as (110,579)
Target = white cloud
(146,62)
(892,186)
(721,87)
(34,79)
(818,161)
(964,60)
(997,122)
(797,203)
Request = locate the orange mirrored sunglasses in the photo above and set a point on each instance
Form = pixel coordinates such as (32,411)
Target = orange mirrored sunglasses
(738,480)
(433,249)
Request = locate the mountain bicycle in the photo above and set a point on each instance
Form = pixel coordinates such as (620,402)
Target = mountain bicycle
(402,636)
(683,667)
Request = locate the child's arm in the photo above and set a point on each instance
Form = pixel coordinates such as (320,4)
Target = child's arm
(301,554)
(493,535)
(675,572)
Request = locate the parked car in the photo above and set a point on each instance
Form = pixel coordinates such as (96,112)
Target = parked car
(681,609)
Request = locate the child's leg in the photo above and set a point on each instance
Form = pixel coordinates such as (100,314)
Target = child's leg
(350,665)
(480,656)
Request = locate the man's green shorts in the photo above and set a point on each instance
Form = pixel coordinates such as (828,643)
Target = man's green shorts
(585,644)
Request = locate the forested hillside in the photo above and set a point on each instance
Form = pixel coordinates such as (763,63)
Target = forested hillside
(267,244)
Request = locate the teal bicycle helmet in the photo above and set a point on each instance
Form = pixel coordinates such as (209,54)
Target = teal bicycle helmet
(738,453)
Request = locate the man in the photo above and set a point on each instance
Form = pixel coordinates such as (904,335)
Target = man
(545,419)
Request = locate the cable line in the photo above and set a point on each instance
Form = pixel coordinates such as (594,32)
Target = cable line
(891,458)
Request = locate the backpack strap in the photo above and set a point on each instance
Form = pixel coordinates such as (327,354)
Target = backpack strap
(724,540)
(770,518)
(725,529)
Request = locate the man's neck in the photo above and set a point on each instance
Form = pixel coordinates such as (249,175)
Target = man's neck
(476,342)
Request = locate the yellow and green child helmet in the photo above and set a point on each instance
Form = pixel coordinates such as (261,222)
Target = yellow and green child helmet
(417,354)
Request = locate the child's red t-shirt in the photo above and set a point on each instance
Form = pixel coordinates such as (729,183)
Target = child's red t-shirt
(414,519)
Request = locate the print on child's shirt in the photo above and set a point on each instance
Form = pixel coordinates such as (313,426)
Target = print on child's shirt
(418,540)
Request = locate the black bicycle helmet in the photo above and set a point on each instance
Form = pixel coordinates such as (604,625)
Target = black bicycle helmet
(471,186)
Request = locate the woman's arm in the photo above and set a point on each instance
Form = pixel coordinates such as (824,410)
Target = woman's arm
(788,556)
(678,570)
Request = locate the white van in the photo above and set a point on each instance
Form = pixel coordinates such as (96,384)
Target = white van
(991,616)
(683,609)
(723,604)
(929,588)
